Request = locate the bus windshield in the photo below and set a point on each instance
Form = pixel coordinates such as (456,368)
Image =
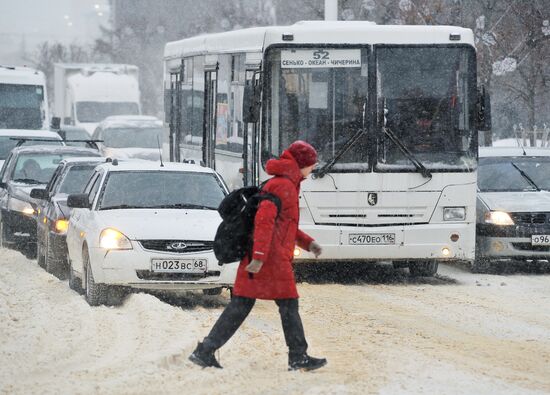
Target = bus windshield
(21,106)
(424,94)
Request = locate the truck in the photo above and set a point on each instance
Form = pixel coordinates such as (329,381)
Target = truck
(86,93)
(23,98)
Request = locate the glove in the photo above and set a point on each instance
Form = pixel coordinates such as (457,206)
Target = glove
(315,248)
(254,266)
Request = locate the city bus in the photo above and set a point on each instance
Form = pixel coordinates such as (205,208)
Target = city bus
(393,112)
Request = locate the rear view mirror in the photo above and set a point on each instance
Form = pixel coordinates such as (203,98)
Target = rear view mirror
(484,110)
(78,200)
(251,103)
(39,193)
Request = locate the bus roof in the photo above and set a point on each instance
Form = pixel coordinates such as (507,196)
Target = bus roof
(256,39)
(21,75)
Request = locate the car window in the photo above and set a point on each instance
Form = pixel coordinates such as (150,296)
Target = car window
(38,167)
(537,169)
(94,188)
(76,178)
(52,184)
(3,172)
(504,174)
(132,137)
(161,189)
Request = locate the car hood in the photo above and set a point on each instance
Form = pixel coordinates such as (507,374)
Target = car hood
(162,224)
(517,201)
(132,153)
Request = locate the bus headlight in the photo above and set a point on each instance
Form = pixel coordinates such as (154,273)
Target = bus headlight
(498,218)
(112,239)
(454,213)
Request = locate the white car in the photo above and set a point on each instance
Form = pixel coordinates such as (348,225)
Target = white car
(130,137)
(145,226)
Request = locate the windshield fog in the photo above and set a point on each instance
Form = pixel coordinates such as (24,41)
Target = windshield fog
(21,106)
(505,174)
(161,189)
(132,137)
(89,111)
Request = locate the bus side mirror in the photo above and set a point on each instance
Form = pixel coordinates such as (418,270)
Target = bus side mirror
(251,103)
(484,110)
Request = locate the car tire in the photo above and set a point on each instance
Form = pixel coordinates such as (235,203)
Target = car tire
(3,235)
(40,258)
(29,250)
(212,291)
(423,269)
(74,282)
(53,265)
(98,294)
(481,265)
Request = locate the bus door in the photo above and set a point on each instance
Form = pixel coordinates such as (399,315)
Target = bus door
(251,137)
(174,112)
(209,131)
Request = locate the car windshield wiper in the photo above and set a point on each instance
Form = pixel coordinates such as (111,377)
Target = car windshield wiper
(121,206)
(184,205)
(419,166)
(330,164)
(27,181)
(524,174)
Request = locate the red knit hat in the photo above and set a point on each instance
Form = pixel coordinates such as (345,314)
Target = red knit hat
(304,154)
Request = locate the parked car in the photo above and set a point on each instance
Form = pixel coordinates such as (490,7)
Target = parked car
(26,168)
(143,226)
(513,206)
(71,176)
(130,136)
(11,138)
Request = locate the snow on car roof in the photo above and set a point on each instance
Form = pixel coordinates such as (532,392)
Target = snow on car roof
(86,159)
(29,133)
(146,165)
(485,152)
(135,121)
(54,149)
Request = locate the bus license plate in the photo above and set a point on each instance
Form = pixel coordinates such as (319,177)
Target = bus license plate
(540,240)
(178,265)
(371,238)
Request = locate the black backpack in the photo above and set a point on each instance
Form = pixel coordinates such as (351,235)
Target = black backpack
(233,238)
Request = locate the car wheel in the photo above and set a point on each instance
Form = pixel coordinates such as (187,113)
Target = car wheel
(481,265)
(40,258)
(74,282)
(4,235)
(212,291)
(53,265)
(29,250)
(423,269)
(98,294)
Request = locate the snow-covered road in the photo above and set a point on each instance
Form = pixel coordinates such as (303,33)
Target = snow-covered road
(460,334)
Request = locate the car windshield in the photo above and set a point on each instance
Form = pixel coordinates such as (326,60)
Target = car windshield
(132,137)
(161,189)
(8,143)
(77,134)
(90,111)
(504,174)
(38,168)
(76,178)
(21,106)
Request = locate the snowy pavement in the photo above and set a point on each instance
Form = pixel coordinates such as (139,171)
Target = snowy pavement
(460,334)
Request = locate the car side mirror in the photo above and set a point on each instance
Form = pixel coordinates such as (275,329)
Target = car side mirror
(39,193)
(78,200)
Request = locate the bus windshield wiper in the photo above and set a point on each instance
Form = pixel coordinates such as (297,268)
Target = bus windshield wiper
(347,145)
(184,205)
(524,174)
(121,206)
(419,166)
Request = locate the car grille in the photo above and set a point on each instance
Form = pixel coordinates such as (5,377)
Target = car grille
(171,245)
(149,275)
(530,218)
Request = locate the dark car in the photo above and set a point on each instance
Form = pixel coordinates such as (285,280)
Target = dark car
(71,176)
(26,168)
(513,207)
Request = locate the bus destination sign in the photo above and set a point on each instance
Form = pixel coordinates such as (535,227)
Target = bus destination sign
(322,57)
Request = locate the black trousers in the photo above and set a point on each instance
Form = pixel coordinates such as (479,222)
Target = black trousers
(238,309)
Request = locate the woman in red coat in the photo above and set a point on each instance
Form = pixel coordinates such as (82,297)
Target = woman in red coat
(268,274)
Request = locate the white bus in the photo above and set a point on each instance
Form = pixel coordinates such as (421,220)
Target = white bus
(23,99)
(392,110)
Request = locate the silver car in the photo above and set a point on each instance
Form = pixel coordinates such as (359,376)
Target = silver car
(513,206)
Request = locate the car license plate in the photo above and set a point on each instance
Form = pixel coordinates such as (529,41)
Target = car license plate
(371,238)
(540,240)
(178,265)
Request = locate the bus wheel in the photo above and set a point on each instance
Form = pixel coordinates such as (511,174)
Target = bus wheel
(423,269)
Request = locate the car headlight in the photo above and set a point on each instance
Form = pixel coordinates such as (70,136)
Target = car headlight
(21,206)
(454,213)
(61,226)
(112,239)
(498,218)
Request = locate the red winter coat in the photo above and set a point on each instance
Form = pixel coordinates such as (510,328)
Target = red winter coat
(275,236)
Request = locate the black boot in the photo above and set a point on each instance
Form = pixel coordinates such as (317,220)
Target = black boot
(204,358)
(305,362)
